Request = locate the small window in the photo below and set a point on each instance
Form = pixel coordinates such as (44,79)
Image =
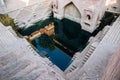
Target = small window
(87,24)
(88,17)
(114,7)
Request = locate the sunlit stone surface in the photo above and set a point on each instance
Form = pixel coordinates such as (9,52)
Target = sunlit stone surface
(19,60)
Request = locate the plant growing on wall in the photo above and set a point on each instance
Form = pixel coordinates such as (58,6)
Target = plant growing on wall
(6,20)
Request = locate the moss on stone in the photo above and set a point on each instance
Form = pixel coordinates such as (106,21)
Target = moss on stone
(6,20)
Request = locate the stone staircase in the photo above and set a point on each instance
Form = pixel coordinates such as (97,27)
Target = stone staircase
(80,59)
(94,67)
(113,34)
(83,60)
(17,66)
(72,68)
(88,54)
(19,61)
(31,14)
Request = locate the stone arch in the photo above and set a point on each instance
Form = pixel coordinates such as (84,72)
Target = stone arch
(71,11)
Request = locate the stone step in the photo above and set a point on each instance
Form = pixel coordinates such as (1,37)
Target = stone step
(72,68)
(112,31)
(118,40)
(88,54)
(12,69)
(23,13)
(35,74)
(19,61)
(117,33)
(86,57)
(9,58)
(26,71)
(115,30)
(8,39)
(117,20)
(114,35)
(84,60)
(92,47)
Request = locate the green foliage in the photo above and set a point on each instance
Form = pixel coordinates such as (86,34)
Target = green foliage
(6,20)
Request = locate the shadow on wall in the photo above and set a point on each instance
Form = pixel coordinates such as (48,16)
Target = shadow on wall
(107,19)
(71,35)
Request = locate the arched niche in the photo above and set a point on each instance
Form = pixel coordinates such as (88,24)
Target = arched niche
(71,11)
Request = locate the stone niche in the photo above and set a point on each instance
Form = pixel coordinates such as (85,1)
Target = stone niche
(72,12)
(88,17)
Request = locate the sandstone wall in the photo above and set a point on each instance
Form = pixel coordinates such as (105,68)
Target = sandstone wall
(112,71)
(27,12)
(86,12)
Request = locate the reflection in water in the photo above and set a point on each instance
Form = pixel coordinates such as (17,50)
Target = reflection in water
(59,58)
(71,35)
